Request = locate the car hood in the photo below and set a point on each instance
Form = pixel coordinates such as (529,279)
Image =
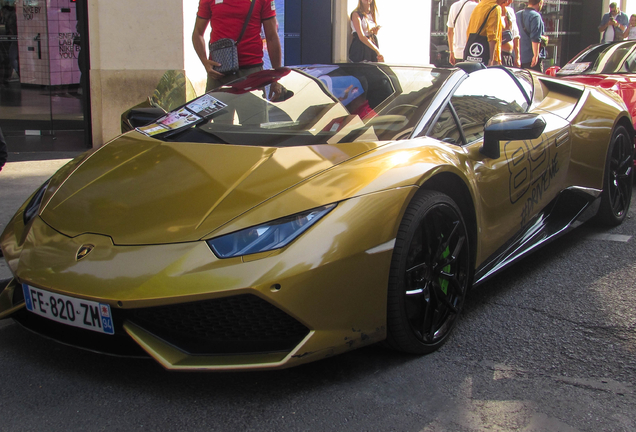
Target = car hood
(138,190)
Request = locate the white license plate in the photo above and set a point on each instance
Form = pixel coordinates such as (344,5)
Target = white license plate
(84,314)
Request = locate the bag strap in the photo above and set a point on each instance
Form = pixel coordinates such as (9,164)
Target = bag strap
(486,19)
(458,13)
(523,24)
(247,20)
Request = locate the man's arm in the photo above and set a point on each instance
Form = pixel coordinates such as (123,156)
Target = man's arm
(493,31)
(492,61)
(535,53)
(623,21)
(451,45)
(198,41)
(273,42)
(605,21)
(450,33)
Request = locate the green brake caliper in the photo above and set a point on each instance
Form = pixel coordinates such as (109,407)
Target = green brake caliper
(443,283)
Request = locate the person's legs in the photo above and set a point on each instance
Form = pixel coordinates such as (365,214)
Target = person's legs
(506,59)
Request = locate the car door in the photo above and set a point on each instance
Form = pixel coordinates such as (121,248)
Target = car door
(528,174)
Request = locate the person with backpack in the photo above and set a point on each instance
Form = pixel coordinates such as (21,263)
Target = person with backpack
(485,27)
(458,19)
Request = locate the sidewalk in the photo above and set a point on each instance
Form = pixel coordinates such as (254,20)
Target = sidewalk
(19,178)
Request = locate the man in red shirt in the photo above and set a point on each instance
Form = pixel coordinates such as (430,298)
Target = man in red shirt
(226,18)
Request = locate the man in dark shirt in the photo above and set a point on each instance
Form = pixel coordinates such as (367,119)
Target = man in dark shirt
(531,32)
(226,18)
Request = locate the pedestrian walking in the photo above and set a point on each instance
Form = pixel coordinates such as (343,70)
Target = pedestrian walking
(227,19)
(365,45)
(485,27)
(458,19)
(531,30)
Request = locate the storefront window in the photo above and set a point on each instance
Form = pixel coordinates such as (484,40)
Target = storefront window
(439,41)
(40,57)
(561,25)
(280,19)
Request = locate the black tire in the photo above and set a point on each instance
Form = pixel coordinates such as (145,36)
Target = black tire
(430,274)
(618,179)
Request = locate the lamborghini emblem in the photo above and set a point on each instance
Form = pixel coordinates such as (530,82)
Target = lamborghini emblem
(83,251)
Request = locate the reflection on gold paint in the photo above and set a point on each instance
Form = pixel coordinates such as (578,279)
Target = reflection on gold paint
(401,158)
(293,155)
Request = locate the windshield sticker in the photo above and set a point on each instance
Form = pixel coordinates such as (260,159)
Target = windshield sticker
(179,119)
(153,129)
(174,120)
(574,68)
(192,113)
(205,106)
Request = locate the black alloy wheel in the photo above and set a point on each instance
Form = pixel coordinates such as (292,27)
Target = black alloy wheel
(430,274)
(618,179)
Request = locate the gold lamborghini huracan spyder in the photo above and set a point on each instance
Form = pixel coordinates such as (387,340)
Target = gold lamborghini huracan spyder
(299,213)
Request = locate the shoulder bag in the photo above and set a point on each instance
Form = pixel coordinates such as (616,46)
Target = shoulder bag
(477,47)
(458,13)
(225,52)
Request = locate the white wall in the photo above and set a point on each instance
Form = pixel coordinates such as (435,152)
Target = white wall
(139,34)
(192,65)
(629,7)
(132,44)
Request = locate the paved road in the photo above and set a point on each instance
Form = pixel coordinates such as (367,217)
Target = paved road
(548,345)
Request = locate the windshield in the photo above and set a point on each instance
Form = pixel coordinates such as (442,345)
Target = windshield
(305,106)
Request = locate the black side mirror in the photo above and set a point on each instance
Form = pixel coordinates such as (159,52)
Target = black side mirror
(510,127)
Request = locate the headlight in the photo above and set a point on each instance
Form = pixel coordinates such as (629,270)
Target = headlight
(33,207)
(268,236)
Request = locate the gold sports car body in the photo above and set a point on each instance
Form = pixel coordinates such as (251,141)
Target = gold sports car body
(299,213)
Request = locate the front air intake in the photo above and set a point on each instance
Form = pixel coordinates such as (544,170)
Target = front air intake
(242,324)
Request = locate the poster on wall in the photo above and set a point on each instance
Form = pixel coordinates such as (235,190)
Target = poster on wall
(48,42)
(280,18)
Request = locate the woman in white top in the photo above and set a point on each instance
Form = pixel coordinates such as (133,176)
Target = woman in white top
(364,46)
(630,31)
